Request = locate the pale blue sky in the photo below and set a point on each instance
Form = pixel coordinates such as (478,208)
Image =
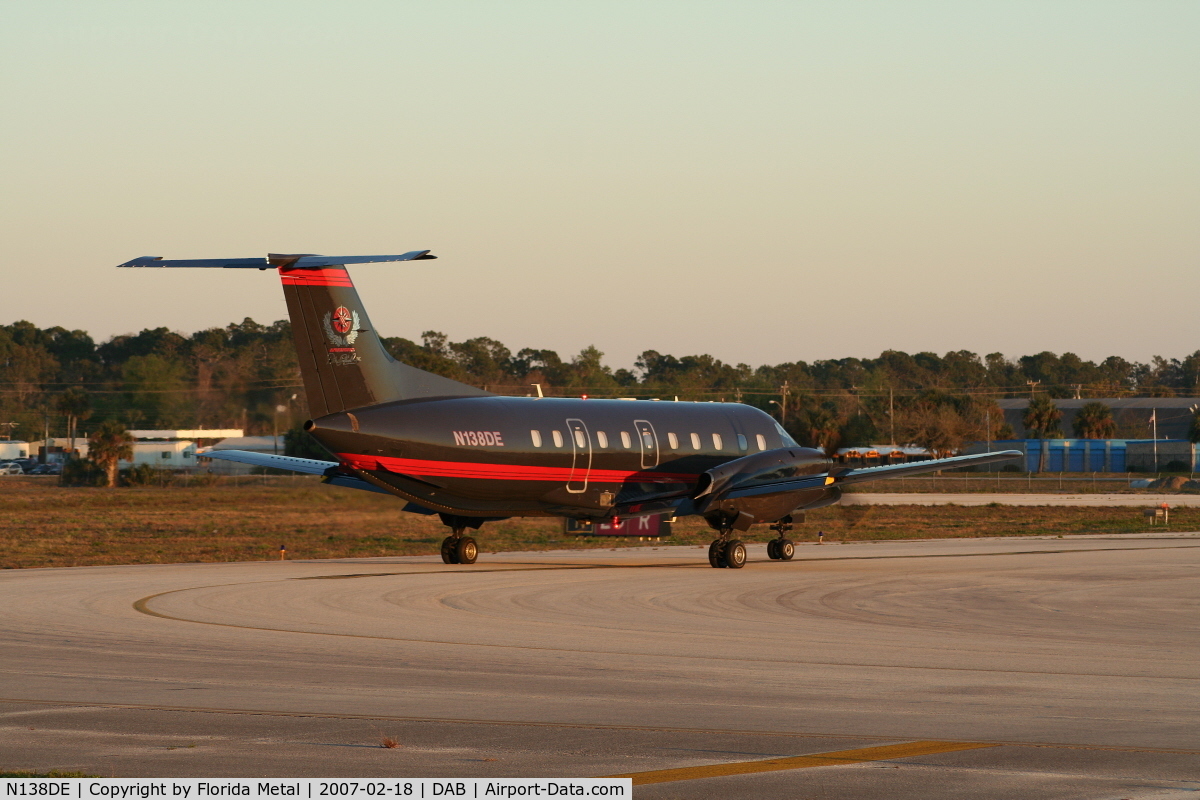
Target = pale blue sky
(764,182)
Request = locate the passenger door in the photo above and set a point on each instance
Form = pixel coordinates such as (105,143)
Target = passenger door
(581,456)
(649,443)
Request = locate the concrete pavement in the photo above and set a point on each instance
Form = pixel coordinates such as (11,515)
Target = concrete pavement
(1032,667)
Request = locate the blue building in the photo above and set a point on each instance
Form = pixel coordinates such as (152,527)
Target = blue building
(1094,455)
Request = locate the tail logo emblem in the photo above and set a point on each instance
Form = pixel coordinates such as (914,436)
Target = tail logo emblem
(341,320)
(341,327)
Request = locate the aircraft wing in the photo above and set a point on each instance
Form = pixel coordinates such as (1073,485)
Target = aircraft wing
(843,477)
(309,466)
(920,467)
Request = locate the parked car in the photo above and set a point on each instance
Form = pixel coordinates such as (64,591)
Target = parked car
(54,468)
(10,468)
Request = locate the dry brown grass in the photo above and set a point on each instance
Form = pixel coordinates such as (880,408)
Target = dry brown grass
(45,525)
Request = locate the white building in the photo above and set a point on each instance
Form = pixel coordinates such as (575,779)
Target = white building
(10,449)
(178,454)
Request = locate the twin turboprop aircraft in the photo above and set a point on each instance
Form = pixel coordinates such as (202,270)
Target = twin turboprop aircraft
(470,456)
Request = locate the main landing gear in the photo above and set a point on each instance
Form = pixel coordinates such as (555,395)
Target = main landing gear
(456,548)
(782,548)
(459,549)
(726,552)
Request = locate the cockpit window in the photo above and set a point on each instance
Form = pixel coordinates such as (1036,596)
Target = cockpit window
(788,441)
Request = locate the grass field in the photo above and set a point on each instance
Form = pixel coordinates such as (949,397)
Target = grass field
(45,525)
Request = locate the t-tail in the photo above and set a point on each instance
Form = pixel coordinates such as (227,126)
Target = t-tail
(342,360)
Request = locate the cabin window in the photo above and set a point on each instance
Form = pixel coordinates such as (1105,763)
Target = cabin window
(695,441)
(166,453)
(580,440)
(717,443)
(558,440)
(626,442)
(742,444)
(673,440)
(537,438)
(602,438)
(762,441)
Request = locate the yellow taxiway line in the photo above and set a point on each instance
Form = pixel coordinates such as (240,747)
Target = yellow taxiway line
(833,759)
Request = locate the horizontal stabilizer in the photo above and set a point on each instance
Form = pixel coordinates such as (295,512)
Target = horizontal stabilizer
(309,466)
(294,261)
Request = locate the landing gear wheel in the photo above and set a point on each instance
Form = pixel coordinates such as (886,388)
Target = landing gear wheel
(466,551)
(735,555)
(716,554)
(773,549)
(449,546)
(785,549)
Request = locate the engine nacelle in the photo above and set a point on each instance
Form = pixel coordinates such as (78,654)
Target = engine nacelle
(772,466)
(784,465)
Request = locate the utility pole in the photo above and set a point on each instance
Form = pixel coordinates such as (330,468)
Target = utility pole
(1032,386)
(892,414)
(783,392)
(1154,424)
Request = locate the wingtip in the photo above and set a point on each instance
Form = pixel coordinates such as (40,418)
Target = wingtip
(141,261)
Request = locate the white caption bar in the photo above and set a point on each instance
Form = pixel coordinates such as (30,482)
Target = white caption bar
(318,788)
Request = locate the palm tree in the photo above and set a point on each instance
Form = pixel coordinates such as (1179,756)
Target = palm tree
(1095,421)
(1041,420)
(109,444)
(1194,427)
(824,429)
(76,407)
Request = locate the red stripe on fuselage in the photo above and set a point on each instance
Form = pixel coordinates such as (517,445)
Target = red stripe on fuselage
(315,277)
(506,472)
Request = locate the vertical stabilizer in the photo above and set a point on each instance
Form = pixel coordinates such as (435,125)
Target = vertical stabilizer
(342,360)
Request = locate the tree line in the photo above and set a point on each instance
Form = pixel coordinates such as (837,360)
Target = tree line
(245,376)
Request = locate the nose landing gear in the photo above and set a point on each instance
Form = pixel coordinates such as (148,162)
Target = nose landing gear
(782,548)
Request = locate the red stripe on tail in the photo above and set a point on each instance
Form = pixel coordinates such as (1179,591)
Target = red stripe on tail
(335,276)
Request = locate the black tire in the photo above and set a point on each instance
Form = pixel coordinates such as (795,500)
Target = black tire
(449,548)
(716,554)
(773,549)
(467,551)
(786,548)
(735,555)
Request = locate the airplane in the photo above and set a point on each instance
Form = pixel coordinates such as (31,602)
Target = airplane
(471,456)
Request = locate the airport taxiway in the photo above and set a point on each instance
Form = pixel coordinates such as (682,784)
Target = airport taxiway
(1032,667)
